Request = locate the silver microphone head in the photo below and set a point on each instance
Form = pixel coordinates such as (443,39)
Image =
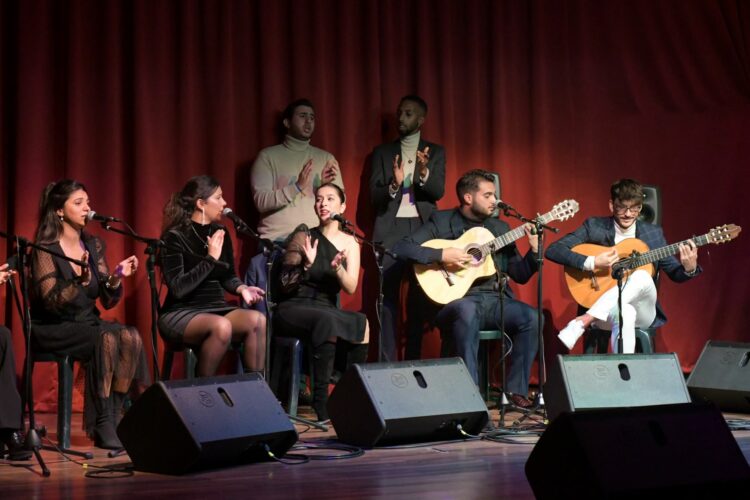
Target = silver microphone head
(226,211)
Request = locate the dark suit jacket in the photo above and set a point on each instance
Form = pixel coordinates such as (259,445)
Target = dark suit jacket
(382,174)
(451,224)
(601,231)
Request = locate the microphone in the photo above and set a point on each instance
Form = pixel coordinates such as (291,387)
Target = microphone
(235,218)
(101,218)
(501,205)
(341,219)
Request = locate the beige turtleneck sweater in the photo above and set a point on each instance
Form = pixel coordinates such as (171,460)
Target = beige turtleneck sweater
(281,205)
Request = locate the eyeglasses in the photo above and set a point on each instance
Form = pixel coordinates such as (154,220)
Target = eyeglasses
(634,209)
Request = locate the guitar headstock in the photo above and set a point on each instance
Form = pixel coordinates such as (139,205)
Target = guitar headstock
(562,211)
(722,234)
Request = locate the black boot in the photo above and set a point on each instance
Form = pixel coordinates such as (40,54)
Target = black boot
(104,432)
(14,441)
(356,353)
(323,357)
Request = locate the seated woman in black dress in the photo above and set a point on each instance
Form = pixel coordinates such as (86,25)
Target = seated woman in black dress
(10,409)
(195,311)
(65,319)
(318,263)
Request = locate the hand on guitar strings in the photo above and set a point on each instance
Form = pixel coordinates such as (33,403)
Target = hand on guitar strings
(605,260)
(455,258)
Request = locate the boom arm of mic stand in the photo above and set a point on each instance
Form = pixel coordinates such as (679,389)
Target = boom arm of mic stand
(512,212)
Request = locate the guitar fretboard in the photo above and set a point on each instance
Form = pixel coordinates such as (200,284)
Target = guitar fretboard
(511,236)
(659,253)
(501,241)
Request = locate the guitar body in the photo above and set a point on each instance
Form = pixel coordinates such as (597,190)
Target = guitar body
(587,286)
(443,286)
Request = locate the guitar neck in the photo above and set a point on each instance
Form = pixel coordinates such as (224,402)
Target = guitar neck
(660,253)
(502,241)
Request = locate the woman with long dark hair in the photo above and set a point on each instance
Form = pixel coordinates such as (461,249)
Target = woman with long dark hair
(65,319)
(195,311)
(317,265)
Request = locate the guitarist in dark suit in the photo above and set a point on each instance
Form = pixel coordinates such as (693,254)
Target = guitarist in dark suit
(461,320)
(407,179)
(640,308)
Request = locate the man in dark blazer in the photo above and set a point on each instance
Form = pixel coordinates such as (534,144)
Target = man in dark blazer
(461,320)
(640,308)
(406,181)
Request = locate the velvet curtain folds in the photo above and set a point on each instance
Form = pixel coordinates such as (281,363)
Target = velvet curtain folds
(560,97)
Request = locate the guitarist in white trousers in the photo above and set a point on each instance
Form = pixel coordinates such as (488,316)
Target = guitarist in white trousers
(640,308)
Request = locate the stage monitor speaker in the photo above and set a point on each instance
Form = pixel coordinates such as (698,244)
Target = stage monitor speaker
(722,375)
(387,403)
(188,425)
(589,382)
(671,451)
(651,211)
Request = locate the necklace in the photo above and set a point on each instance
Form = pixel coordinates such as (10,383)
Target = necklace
(204,242)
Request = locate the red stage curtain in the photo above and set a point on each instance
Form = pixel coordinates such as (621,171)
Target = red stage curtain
(561,98)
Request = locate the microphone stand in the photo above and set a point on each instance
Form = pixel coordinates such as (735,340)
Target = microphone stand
(273,249)
(539,227)
(32,440)
(618,274)
(152,246)
(379,251)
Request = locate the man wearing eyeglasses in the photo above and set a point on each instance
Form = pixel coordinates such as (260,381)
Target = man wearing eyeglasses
(640,308)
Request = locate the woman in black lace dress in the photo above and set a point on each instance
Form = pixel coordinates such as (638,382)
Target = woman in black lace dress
(195,311)
(65,319)
(317,265)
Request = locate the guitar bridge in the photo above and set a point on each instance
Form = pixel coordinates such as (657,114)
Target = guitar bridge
(447,276)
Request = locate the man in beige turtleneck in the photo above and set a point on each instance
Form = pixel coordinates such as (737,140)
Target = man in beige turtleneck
(407,179)
(284,177)
(283,180)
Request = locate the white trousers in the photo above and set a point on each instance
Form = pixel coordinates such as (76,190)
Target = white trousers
(638,309)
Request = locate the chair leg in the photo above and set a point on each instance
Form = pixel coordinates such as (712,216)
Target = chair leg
(166,364)
(645,340)
(64,400)
(284,373)
(483,359)
(191,362)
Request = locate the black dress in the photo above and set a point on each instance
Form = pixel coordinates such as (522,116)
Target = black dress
(308,301)
(65,320)
(195,285)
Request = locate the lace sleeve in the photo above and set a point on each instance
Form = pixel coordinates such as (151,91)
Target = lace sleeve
(108,297)
(56,293)
(292,268)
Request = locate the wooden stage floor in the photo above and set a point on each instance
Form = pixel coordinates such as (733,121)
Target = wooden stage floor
(452,470)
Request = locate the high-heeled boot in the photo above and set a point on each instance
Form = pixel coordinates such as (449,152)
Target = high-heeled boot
(104,432)
(323,357)
(356,353)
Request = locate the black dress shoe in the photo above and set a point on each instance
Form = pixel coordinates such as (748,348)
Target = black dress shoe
(16,451)
(520,401)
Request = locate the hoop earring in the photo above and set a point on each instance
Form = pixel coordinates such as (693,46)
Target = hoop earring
(203,216)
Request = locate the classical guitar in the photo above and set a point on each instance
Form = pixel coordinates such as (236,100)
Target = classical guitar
(587,286)
(443,286)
